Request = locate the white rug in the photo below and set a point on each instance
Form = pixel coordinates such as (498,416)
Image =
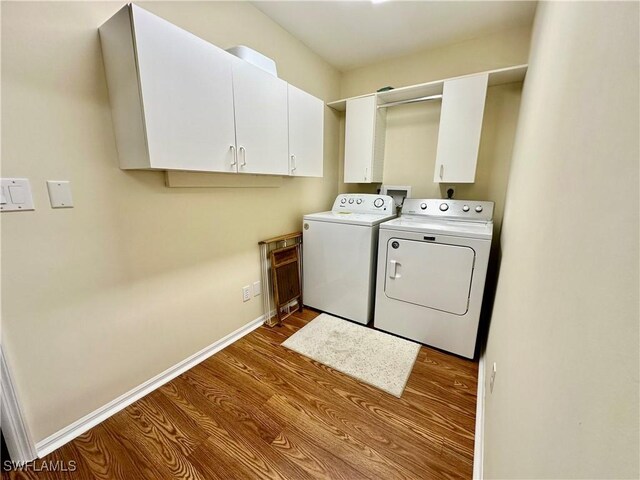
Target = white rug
(373,357)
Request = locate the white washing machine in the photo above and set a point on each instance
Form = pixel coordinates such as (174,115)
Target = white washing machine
(432,265)
(340,253)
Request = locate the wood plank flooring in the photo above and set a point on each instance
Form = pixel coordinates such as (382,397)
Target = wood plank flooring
(258,410)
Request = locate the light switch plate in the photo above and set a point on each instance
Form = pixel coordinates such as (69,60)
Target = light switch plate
(60,193)
(16,195)
(246,293)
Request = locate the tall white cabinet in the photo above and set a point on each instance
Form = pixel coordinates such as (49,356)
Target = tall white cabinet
(181,103)
(461,117)
(364,140)
(306,133)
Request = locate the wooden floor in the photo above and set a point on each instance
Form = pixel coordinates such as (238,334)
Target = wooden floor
(258,410)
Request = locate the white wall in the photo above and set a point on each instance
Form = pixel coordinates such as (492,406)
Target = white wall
(564,330)
(99,298)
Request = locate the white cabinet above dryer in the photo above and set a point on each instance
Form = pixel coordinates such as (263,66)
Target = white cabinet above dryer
(171,95)
(461,117)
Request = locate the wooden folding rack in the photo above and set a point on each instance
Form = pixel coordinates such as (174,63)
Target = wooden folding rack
(280,259)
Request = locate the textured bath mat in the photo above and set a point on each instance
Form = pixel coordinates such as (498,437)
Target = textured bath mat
(373,357)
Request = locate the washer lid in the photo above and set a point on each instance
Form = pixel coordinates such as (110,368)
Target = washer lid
(456,228)
(365,219)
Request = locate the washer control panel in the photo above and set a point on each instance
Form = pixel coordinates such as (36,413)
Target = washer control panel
(363,203)
(455,209)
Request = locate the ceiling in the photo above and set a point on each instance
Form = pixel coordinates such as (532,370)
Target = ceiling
(349,34)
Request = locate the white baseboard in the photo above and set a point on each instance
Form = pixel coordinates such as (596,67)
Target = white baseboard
(65,435)
(14,428)
(478,448)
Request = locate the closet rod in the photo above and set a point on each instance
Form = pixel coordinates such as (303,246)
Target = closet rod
(412,100)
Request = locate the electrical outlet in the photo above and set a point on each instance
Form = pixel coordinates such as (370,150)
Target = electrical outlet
(492,379)
(450,190)
(246,293)
(257,288)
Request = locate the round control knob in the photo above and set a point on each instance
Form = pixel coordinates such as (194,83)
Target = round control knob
(351,200)
(465,208)
(479,208)
(423,206)
(344,200)
(359,201)
(378,202)
(444,207)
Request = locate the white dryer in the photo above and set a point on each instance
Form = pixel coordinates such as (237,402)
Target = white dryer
(340,253)
(432,265)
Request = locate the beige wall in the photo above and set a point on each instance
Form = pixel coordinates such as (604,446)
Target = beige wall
(502,49)
(564,331)
(412,130)
(99,298)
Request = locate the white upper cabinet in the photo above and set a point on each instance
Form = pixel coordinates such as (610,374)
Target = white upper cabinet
(364,140)
(181,103)
(463,102)
(261,120)
(171,95)
(306,138)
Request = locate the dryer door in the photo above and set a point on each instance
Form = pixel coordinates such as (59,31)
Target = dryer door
(432,275)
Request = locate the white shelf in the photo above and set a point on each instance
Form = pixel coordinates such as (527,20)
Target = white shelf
(341,105)
(499,76)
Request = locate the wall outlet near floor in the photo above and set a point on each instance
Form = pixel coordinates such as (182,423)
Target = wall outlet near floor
(246,293)
(257,288)
(492,379)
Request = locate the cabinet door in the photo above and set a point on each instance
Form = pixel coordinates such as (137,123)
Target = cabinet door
(359,139)
(187,96)
(460,128)
(261,120)
(306,133)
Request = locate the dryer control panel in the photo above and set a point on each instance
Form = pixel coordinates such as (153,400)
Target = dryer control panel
(364,203)
(469,210)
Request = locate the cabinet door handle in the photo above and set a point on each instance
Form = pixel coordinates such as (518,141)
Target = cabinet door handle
(243,156)
(441,171)
(366,171)
(235,158)
(294,167)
